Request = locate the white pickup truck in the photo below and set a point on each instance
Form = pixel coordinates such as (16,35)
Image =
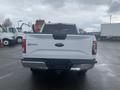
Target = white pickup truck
(59,47)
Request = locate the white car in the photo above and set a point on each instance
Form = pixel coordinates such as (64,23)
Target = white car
(7,37)
(59,47)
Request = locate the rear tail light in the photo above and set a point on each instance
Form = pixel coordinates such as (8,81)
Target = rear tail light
(24,45)
(94,48)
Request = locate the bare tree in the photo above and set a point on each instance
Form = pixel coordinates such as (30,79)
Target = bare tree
(7,23)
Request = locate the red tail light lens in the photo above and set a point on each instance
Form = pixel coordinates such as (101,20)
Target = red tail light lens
(94,48)
(24,45)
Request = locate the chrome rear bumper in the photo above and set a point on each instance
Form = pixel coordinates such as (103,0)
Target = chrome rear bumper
(59,64)
(33,64)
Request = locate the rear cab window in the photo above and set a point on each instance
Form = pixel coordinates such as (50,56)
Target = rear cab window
(60,29)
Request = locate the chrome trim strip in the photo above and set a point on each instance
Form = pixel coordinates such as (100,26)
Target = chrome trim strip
(33,62)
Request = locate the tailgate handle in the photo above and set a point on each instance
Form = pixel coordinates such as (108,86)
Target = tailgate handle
(59,45)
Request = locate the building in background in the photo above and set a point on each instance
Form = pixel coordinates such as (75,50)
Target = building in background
(110,31)
(81,31)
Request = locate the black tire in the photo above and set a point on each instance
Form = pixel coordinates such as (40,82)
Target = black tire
(6,42)
(82,73)
(19,40)
(34,71)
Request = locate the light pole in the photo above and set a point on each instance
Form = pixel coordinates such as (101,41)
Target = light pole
(110,19)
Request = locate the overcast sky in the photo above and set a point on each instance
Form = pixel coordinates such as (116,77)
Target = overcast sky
(87,14)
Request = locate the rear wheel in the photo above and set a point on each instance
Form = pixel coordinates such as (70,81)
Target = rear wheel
(82,73)
(34,71)
(6,42)
(19,40)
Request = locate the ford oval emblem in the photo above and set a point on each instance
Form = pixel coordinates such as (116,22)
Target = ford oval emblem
(59,44)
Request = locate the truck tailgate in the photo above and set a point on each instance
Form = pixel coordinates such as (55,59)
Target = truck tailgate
(72,47)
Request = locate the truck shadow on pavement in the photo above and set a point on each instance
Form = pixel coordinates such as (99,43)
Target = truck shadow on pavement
(54,81)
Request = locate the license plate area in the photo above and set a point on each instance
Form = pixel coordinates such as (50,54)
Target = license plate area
(59,64)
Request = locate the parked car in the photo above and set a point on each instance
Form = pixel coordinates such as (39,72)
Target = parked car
(59,47)
(7,37)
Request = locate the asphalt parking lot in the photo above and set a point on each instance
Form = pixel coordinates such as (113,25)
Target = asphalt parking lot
(104,76)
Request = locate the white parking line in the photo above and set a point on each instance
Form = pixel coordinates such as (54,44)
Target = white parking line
(5,76)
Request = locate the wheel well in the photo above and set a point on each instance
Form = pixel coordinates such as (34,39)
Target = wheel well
(19,37)
(5,39)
